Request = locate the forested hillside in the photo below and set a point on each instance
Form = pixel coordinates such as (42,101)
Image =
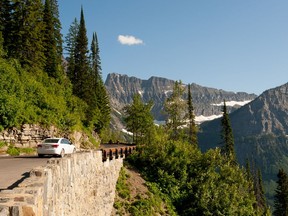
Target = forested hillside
(36,86)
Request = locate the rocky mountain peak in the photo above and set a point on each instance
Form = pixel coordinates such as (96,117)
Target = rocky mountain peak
(206,101)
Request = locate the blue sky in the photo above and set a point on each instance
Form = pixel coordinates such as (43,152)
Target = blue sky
(234,45)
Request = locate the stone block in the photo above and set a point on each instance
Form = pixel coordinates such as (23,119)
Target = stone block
(28,211)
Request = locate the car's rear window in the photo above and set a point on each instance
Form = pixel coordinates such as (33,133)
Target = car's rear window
(51,140)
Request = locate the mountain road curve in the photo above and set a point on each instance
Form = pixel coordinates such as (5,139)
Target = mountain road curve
(13,170)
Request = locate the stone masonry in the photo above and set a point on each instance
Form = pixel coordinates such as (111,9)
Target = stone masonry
(77,185)
(29,135)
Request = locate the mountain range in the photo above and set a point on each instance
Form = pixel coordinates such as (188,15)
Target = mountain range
(206,101)
(259,123)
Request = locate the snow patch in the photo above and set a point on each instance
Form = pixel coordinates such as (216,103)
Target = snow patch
(233,103)
(200,119)
(127,132)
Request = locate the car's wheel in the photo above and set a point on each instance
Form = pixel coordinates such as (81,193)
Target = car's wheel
(62,154)
(40,155)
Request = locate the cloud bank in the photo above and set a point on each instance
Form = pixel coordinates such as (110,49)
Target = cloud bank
(129,40)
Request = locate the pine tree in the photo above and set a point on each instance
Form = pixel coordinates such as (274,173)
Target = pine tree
(227,136)
(50,49)
(2,52)
(99,94)
(27,33)
(57,30)
(6,22)
(259,192)
(81,77)
(281,196)
(70,47)
(192,126)
(176,109)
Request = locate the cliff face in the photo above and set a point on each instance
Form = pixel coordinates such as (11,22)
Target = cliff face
(206,101)
(267,114)
(260,131)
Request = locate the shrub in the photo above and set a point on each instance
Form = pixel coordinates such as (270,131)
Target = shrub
(13,151)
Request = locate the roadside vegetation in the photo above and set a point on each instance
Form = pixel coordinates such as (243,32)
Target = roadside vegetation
(37,86)
(195,183)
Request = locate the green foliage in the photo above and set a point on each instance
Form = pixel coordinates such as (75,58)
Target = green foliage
(13,151)
(139,120)
(27,151)
(150,203)
(176,108)
(121,186)
(227,136)
(191,118)
(28,98)
(281,196)
(196,183)
(26,43)
(2,144)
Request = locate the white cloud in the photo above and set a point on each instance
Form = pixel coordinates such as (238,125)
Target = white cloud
(129,40)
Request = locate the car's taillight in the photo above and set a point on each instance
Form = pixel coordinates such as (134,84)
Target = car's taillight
(55,145)
(39,146)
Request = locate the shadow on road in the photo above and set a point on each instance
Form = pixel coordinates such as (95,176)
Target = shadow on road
(15,184)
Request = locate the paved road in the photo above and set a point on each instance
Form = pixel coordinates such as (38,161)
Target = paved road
(14,169)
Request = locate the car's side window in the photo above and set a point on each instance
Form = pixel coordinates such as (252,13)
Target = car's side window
(64,141)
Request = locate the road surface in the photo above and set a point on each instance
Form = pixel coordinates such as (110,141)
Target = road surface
(14,169)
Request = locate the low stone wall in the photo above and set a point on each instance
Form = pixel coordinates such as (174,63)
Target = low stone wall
(78,185)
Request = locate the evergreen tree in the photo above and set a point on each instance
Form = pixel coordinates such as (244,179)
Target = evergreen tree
(27,33)
(281,196)
(138,118)
(259,193)
(176,109)
(81,77)
(70,47)
(50,49)
(98,93)
(6,21)
(2,52)
(192,126)
(227,136)
(57,30)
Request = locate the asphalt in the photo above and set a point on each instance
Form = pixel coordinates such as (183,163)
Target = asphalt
(13,170)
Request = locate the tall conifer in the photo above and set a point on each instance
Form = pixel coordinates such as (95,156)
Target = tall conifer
(70,41)
(101,100)
(227,136)
(281,196)
(6,22)
(27,33)
(50,48)
(57,29)
(191,117)
(81,69)
(176,109)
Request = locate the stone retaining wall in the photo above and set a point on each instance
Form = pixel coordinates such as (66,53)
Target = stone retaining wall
(74,186)
(29,135)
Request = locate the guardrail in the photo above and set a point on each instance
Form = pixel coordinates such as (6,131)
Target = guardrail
(111,150)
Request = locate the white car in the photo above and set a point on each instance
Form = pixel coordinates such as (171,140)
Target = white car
(55,146)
